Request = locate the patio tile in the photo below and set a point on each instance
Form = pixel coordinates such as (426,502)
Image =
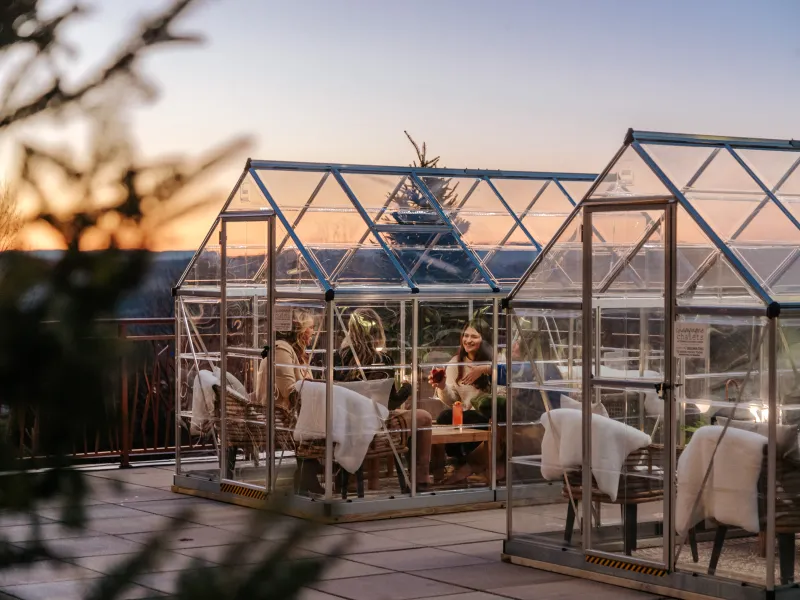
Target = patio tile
(417,559)
(10,519)
(44,571)
(395,586)
(90,546)
(169,508)
(339,568)
(163,582)
(492,576)
(148,476)
(132,493)
(167,561)
(357,543)
(464,518)
(255,552)
(473,596)
(309,594)
(71,590)
(387,524)
(571,588)
(48,531)
(487,550)
(192,537)
(130,525)
(98,511)
(440,535)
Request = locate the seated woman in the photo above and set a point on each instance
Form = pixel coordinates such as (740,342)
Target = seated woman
(361,351)
(462,382)
(291,366)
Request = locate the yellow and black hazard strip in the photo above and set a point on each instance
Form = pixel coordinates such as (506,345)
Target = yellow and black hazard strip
(626,566)
(240,490)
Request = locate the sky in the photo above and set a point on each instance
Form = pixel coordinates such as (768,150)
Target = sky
(528,84)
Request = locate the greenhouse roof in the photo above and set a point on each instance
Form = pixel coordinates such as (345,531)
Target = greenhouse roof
(737,225)
(361,228)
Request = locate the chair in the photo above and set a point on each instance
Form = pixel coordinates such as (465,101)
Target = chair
(394,433)
(787,516)
(637,485)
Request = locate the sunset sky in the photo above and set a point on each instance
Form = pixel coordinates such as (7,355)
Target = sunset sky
(535,84)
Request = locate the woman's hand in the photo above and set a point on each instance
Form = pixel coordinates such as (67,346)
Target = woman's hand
(437,379)
(475,373)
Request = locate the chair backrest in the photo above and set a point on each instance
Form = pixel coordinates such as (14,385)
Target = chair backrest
(377,390)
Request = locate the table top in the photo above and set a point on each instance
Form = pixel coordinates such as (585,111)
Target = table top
(447,434)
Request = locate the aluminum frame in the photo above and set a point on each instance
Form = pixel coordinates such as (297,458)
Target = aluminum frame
(682,583)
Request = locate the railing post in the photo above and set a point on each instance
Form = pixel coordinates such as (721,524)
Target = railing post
(125,454)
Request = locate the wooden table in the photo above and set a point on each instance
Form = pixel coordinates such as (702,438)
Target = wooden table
(448,434)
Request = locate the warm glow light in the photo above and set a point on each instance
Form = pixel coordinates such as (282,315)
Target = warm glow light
(761,415)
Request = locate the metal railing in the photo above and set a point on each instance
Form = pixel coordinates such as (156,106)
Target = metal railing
(142,409)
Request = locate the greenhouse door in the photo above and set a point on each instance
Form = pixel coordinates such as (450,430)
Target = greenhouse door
(627,371)
(246,290)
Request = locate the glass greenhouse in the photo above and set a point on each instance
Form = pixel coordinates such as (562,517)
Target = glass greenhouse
(655,350)
(356,312)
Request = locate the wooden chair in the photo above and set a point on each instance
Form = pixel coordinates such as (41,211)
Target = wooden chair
(380,447)
(638,484)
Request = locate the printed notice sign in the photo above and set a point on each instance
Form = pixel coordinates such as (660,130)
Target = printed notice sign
(691,340)
(282,318)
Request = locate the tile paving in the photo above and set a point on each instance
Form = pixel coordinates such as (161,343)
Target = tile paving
(447,557)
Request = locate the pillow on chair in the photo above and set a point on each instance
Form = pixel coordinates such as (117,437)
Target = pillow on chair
(785,438)
(597,409)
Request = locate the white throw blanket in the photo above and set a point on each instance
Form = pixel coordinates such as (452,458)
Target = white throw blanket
(730,495)
(202,401)
(203,398)
(356,420)
(612,442)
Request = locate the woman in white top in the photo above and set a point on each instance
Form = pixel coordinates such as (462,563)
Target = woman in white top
(462,382)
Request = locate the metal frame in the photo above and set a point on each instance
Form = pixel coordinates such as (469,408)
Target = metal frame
(335,172)
(684,584)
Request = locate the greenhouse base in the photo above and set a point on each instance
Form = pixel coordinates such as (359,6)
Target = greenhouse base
(352,510)
(683,585)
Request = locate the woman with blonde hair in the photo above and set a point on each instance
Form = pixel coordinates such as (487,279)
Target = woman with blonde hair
(362,353)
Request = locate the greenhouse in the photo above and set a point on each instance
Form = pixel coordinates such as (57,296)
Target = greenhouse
(656,350)
(356,311)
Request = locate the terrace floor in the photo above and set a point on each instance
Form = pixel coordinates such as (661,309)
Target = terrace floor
(447,557)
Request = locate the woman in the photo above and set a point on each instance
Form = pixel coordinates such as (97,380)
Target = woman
(464,382)
(361,351)
(291,366)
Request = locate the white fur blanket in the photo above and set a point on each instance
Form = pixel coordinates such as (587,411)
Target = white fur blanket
(730,495)
(356,420)
(612,442)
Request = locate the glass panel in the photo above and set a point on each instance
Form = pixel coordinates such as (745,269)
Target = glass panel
(373,359)
(550,210)
(206,271)
(787,491)
(704,275)
(507,265)
(519,194)
(560,272)
(730,382)
(631,257)
(247,197)
(630,176)
(438,261)
(366,266)
(481,217)
(300,366)
(198,352)
(247,249)
(546,355)
(682,164)
(454,344)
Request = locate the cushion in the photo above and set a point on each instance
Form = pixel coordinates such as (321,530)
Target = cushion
(597,409)
(785,439)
